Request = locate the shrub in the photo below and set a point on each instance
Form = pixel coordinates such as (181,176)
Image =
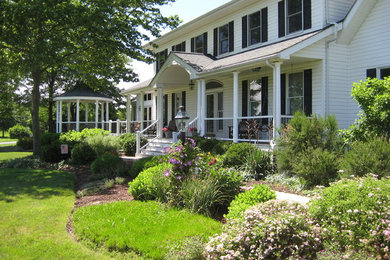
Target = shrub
(102,144)
(151,184)
(205,144)
(367,157)
(82,153)
(243,201)
(139,165)
(356,214)
(257,165)
(29,162)
(221,147)
(108,166)
(128,143)
(236,155)
(26,143)
(303,133)
(19,131)
(292,181)
(189,248)
(51,148)
(271,230)
(316,167)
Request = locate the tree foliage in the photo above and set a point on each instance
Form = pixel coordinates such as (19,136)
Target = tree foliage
(373,97)
(93,38)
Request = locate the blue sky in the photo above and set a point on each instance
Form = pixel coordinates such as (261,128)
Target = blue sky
(187,11)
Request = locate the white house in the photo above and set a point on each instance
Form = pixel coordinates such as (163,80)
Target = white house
(254,62)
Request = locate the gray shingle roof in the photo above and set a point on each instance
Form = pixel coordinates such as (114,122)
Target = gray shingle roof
(82,93)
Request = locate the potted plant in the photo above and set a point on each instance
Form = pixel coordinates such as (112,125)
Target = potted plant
(166,132)
(193,130)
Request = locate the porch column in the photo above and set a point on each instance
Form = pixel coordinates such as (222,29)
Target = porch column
(60,118)
(160,108)
(56,116)
(199,105)
(107,113)
(277,98)
(142,111)
(102,115)
(203,107)
(86,112)
(68,108)
(78,115)
(128,113)
(235,107)
(96,113)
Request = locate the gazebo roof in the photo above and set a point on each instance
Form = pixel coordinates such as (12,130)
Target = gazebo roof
(83,94)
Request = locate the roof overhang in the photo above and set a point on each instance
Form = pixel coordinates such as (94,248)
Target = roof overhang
(75,98)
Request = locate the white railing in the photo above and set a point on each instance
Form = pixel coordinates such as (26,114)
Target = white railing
(192,128)
(141,133)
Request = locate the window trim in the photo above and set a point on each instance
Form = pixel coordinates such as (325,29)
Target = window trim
(294,14)
(220,40)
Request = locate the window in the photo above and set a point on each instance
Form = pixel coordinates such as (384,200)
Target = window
(179,47)
(224,39)
(220,110)
(160,59)
(385,73)
(254,28)
(199,43)
(255,97)
(147,97)
(295,93)
(294,15)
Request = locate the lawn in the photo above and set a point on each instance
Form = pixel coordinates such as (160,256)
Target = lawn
(6,137)
(35,206)
(149,228)
(11,151)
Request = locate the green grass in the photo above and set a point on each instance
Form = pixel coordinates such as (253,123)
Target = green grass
(34,208)
(145,227)
(11,151)
(6,137)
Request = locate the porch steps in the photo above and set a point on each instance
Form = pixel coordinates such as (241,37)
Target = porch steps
(156,147)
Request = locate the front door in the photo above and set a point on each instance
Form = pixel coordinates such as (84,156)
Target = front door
(214,109)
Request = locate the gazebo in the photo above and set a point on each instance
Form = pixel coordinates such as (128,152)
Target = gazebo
(77,116)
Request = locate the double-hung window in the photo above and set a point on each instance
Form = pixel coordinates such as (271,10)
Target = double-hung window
(224,39)
(179,47)
(254,28)
(294,15)
(255,98)
(199,44)
(295,93)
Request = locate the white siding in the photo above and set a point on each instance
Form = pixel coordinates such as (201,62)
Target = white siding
(338,9)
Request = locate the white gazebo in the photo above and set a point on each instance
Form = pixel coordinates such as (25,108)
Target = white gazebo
(82,98)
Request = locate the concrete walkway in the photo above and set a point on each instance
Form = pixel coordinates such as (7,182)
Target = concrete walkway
(12,142)
(292,197)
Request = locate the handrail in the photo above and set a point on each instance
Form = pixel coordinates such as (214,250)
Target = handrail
(191,123)
(139,133)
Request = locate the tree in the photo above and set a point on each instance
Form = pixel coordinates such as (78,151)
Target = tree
(92,37)
(373,96)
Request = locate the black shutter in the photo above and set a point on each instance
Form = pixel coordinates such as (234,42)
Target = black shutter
(264,99)
(282,19)
(306,14)
(307,92)
(205,43)
(215,42)
(244,98)
(371,73)
(183,99)
(165,54)
(192,44)
(244,31)
(231,36)
(173,48)
(283,93)
(173,106)
(264,24)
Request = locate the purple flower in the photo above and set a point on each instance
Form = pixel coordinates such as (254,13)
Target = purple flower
(174,161)
(181,155)
(167,172)
(166,149)
(196,159)
(178,177)
(179,148)
(188,163)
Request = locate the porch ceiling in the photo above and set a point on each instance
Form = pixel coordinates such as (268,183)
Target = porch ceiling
(173,75)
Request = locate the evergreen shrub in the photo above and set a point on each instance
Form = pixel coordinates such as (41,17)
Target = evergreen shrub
(26,143)
(19,131)
(83,153)
(128,142)
(109,166)
(237,154)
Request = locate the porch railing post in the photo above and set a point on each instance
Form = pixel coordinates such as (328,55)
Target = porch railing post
(203,108)
(138,144)
(235,107)
(118,127)
(110,126)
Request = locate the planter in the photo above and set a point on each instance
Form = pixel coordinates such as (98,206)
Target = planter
(167,134)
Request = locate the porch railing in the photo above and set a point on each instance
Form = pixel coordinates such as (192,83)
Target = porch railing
(150,132)
(258,129)
(192,128)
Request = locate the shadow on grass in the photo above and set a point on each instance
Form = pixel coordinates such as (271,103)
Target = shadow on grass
(37,184)
(10,149)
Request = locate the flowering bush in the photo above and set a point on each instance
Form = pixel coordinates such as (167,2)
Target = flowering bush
(243,201)
(356,214)
(193,129)
(165,129)
(271,230)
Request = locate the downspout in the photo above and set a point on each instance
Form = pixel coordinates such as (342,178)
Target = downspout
(326,85)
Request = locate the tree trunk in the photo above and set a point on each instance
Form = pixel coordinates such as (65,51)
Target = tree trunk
(51,102)
(36,75)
